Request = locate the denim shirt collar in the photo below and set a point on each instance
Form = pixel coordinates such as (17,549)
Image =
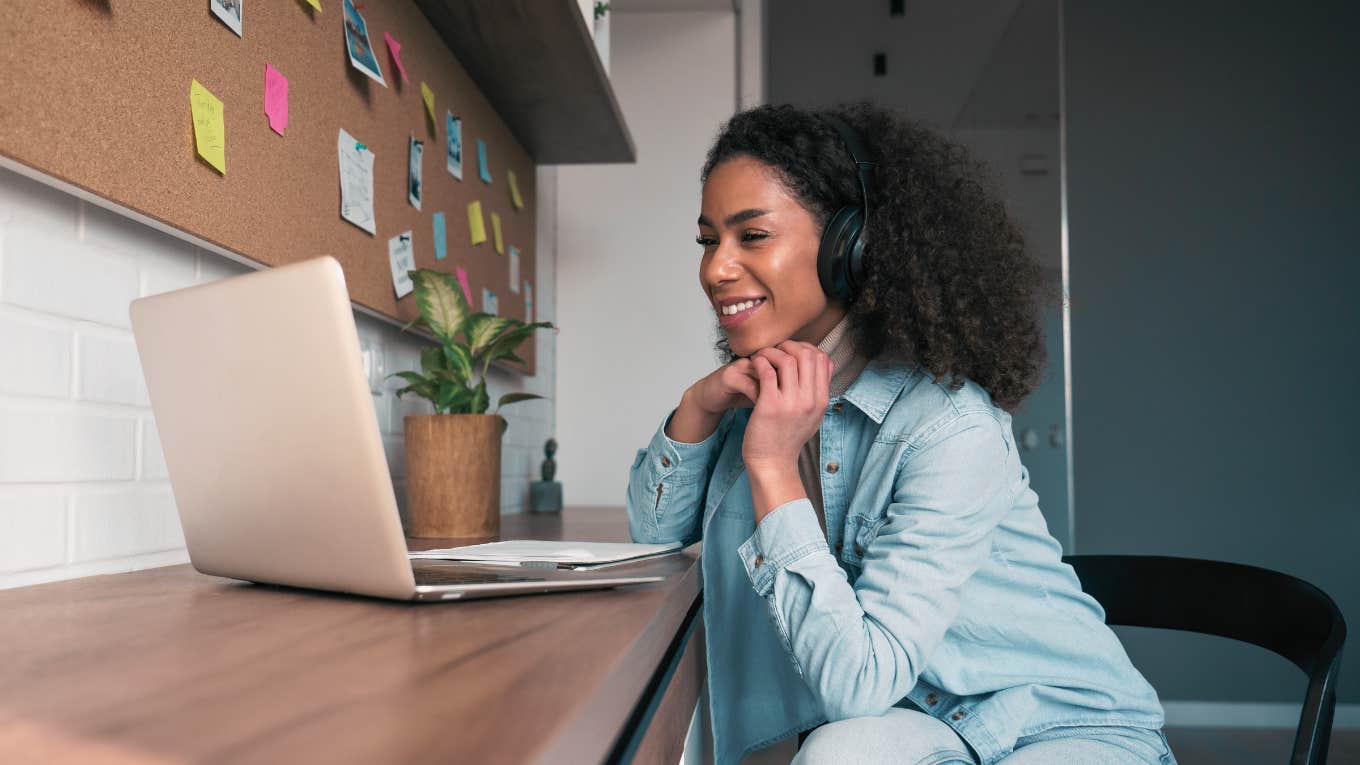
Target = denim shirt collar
(878,386)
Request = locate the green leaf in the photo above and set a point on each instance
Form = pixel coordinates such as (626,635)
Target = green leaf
(441,302)
(511,398)
(459,361)
(509,341)
(432,359)
(483,328)
(414,378)
(480,399)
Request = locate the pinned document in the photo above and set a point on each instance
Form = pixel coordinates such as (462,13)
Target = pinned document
(275,99)
(394,48)
(453,145)
(401,258)
(428,96)
(482,169)
(489,304)
(356,182)
(463,282)
(515,198)
(514,268)
(528,302)
(210,134)
(440,245)
(476,226)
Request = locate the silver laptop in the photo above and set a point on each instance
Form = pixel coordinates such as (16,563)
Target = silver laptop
(272,444)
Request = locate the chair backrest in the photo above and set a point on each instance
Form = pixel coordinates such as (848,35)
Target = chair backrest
(1276,611)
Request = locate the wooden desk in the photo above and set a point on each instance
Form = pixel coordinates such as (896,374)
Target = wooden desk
(170,666)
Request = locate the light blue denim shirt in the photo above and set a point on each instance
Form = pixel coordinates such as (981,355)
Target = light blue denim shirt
(936,585)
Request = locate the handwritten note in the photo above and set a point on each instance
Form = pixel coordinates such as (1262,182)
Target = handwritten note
(496,233)
(514,268)
(356,182)
(515,198)
(476,226)
(394,48)
(400,256)
(275,99)
(428,95)
(463,282)
(441,250)
(210,133)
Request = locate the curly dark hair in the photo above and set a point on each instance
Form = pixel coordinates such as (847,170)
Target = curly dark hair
(948,281)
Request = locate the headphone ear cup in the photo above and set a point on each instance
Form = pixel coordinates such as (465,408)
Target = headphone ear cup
(838,254)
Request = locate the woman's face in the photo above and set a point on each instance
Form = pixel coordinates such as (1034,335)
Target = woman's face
(760,243)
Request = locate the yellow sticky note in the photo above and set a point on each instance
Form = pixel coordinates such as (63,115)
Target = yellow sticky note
(476,227)
(428,95)
(314,3)
(210,132)
(496,232)
(514,191)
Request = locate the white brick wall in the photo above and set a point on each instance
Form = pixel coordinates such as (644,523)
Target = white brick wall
(83,483)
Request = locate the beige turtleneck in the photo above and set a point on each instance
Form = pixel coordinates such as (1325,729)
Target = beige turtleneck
(838,344)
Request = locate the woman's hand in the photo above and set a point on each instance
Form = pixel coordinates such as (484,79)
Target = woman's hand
(730,386)
(795,379)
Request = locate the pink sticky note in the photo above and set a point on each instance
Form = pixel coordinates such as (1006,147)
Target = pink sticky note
(395,48)
(275,98)
(462,280)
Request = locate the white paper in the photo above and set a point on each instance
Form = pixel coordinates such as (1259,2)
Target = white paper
(402,259)
(521,550)
(528,302)
(229,11)
(415,151)
(489,302)
(514,269)
(356,182)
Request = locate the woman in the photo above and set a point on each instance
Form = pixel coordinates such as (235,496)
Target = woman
(876,568)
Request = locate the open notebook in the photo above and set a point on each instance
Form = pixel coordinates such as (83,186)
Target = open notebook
(550,554)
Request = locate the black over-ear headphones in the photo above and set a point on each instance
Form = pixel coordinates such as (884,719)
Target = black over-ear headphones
(840,256)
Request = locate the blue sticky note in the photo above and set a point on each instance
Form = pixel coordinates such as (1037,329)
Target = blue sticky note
(440,249)
(482,169)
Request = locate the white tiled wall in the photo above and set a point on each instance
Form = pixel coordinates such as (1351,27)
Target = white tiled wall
(83,484)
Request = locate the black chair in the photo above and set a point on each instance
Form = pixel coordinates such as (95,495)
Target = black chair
(1273,610)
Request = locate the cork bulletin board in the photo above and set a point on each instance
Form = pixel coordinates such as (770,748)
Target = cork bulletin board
(94,94)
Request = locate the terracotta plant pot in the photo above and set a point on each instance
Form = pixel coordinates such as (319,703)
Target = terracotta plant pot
(453,475)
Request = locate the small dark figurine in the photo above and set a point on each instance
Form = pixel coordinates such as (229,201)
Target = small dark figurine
(549,466)
(546,496)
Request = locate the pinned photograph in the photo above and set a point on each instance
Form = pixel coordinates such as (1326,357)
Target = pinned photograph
(229,11)
(402,260)
(489,303)
(417,150)
(360,49)
(453,136)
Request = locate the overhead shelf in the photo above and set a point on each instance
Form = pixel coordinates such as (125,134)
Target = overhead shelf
(536,63)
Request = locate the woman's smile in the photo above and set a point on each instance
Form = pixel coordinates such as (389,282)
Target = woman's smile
(734,314)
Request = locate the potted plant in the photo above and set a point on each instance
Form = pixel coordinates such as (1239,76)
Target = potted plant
(453,457)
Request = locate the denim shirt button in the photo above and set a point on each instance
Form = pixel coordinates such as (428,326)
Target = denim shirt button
(760,558)
(839,545)
(859,551)
(832,467)
(931,699)
(837,407)
(957,715)
(665,462)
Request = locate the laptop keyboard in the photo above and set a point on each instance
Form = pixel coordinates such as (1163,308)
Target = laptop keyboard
(454,576)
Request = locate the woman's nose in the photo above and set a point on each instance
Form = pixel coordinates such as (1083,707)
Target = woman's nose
(723,265)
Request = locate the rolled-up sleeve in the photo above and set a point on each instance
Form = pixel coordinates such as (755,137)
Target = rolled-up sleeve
(667,484)
(860,649)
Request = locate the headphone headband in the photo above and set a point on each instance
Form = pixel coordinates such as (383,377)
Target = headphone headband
(858,153)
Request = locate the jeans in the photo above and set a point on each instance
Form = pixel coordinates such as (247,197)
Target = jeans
(909,737)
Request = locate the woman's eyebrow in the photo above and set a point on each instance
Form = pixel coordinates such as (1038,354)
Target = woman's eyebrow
(735,218)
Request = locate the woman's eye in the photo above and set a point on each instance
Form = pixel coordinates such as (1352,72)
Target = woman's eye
(704,241)
(750,235)
(747,237)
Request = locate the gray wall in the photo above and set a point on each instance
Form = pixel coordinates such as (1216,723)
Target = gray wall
(1213,173)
